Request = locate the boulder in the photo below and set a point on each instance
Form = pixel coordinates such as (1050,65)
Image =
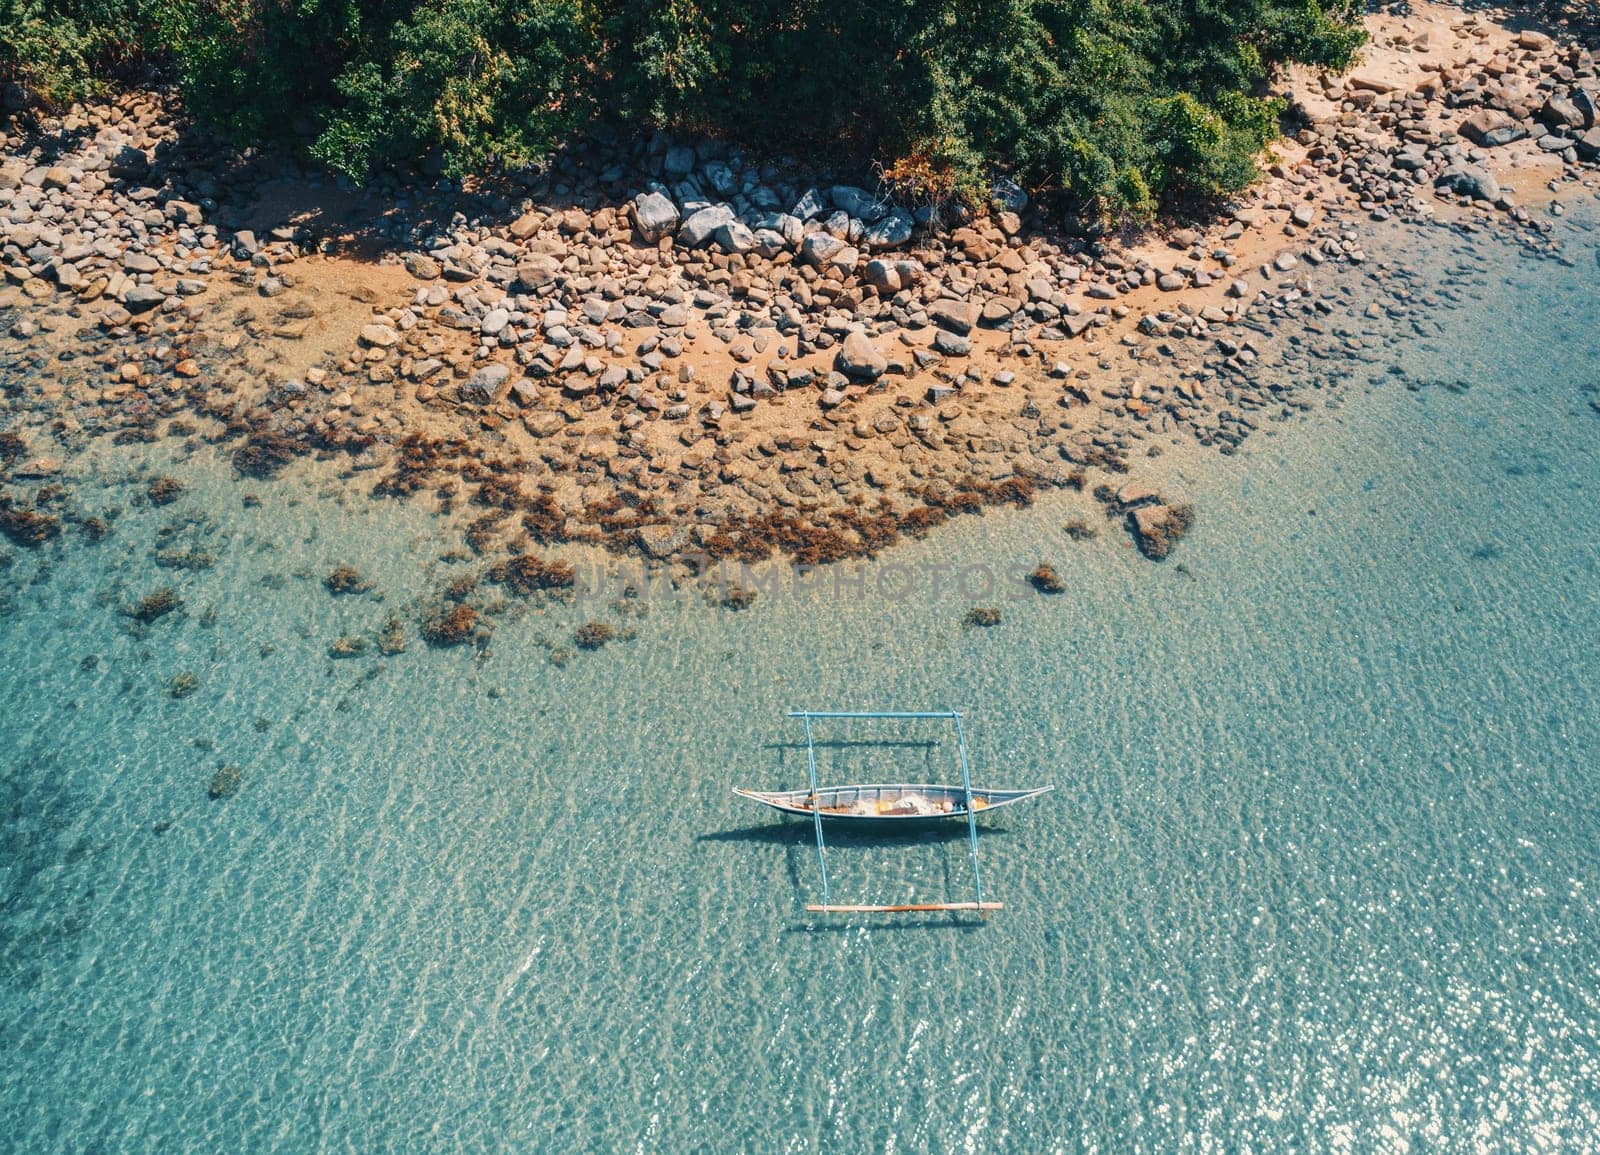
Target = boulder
(679,160)
(859,359)
(957,316)
(422,266)
(1007,196)
(999,310)
(537,270)
(486,386)
(654,215)
(883,276)
(662,541)
(1588,145)
(1157,528)
(1470,181)
(1559,112)
(820,248)
(808,206)
(891,232)
(857,202)
(702,226)
(1491,129)
(1584,102)
(142,298)
(735,238)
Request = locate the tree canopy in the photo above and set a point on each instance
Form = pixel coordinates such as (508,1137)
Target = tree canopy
(1108,104)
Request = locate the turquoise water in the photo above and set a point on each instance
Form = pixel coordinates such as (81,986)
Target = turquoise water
(1320,870)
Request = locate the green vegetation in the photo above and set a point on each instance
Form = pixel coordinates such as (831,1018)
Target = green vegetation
(1108,104)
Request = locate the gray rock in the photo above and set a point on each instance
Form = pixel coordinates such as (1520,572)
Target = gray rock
(856,202)
(1469,180)
(486,385)
(654,215)
(721,178)
(537,271)
(952,345)
(955,316)
(883,276)
(494,322)
(808,206)
(680,160)
(422,267)
(859,359)
(142,298)
(831,399)
(735,238)
(1588,145)
(891,232)
(1492,129)
(380,336)
(1007,196)
(820,248)
(184,213)
(769,244)
(703,225)
(1583,100)
(662,541)
(1558,112)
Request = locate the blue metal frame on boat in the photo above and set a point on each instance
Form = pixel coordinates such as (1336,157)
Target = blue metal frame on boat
(790,802)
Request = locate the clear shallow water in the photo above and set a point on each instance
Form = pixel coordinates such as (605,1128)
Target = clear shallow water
(1320,870)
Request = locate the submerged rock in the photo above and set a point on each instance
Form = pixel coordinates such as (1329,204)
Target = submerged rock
(1046,580)
(1157,528)
(154,605)
(224,783)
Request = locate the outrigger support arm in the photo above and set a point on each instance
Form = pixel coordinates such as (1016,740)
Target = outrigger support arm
(966,786)
(972,821)
(816,805)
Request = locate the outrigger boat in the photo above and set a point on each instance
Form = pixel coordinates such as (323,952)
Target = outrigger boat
(889,802)
(892,802)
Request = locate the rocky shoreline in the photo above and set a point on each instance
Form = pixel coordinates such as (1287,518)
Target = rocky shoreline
(670,350)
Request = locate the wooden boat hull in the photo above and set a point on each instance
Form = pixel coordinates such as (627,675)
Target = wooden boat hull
(889,801)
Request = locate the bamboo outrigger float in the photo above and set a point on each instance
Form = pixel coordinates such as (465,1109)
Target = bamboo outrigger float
(891,803)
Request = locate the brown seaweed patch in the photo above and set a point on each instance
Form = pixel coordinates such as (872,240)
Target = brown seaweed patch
(182,685)
(27,527)
(164,490)
(157,604)
(1080,530)
(95,528)
(732,596)
(417,458)
(526,574)
(392,638)
(1046,580)
(12,448)
(450,627)
(982,616)
(265,454)
(349,646)
(347,579)
(1157,528)
(593,635)
(483,531)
